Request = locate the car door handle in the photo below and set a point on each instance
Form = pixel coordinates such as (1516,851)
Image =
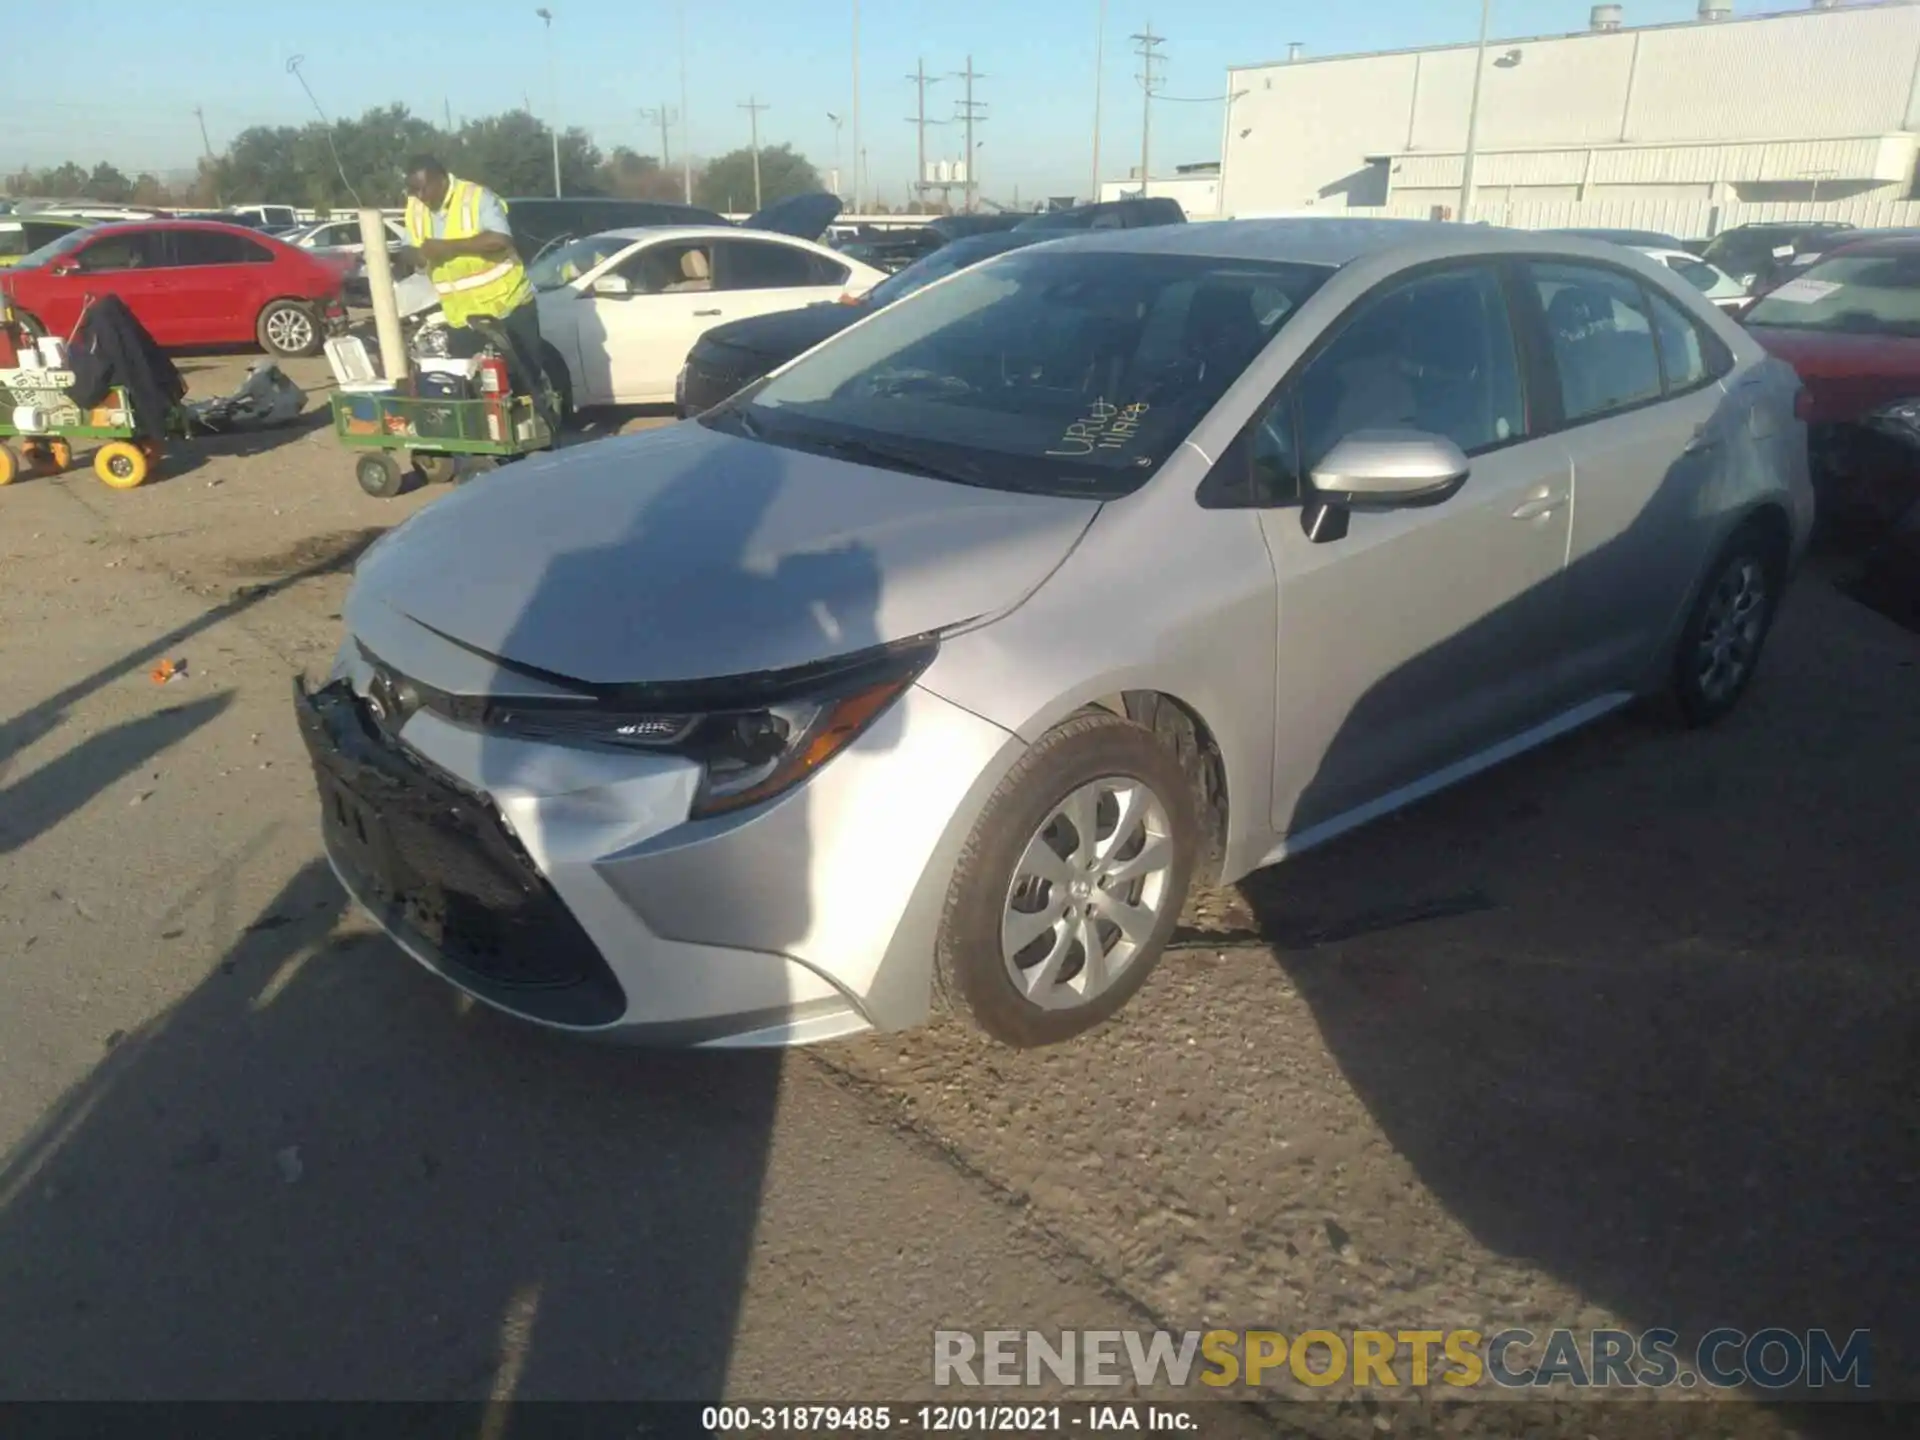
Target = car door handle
(1542,502)
(702,314)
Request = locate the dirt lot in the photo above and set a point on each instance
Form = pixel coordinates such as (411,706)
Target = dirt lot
(1624,1034)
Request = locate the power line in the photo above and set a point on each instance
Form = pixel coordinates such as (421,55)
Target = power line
(921,80)
(969,112)
(666,118)
(753,107)
(1147,46)
(293,69)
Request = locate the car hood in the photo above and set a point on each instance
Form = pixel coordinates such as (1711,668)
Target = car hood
(687,554)
(804,216)
(787,333)
(1846,375)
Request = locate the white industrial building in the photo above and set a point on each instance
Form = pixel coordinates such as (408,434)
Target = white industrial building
(1686,127)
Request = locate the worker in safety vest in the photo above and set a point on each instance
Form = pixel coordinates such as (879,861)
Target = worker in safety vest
(457,232)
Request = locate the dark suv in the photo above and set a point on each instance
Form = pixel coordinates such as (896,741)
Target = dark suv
(1110,215)
(539,222)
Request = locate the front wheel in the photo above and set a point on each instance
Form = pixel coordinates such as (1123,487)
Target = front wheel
(560,382)
(1721,642)
(1071,883)
(379,475)
(288,328)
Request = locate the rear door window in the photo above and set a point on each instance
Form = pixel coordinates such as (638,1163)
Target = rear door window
(763,265)
(214,247)
(1689,356)
(1601,337)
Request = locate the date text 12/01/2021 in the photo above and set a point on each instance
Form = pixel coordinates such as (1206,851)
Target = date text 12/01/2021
(947,1419)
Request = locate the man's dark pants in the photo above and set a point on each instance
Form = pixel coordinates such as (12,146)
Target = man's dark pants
(526,367)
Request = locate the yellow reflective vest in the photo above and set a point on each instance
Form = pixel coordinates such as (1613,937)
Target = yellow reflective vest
(469,284)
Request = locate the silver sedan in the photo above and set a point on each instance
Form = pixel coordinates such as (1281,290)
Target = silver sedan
(937,666)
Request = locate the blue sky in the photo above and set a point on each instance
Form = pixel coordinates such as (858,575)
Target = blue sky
(613,58)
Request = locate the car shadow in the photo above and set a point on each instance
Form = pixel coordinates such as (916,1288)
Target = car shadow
(1671,1064)
(323,1174)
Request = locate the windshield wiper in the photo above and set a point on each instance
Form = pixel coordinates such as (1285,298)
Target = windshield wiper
(893,458)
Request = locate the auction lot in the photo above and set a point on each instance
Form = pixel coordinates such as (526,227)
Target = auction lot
(1622,1035)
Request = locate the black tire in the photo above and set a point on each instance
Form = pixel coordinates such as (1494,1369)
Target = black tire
(380,475)
(1714,662)
(289,328)
(435,467)
(561,382)
(971,969)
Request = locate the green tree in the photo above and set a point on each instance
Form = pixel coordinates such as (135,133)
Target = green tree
(107,183)
(633,176)
(512,154)
(727,182)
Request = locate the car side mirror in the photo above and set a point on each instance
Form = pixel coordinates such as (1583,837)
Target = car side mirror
(613,286)
(1381,470)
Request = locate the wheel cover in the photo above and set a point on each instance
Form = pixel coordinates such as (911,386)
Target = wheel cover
(1087,892)
(289,328)
(1736,619)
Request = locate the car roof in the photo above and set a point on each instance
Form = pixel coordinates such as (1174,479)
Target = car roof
(1904,244)
(690,232)
(1335,242)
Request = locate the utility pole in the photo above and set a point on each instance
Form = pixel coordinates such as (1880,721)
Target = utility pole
(686,145)
(206,148)
(1099,74)
(447,104)
(753,107)
(920,122)
(1147,47)
(553,97)
(971,111)
(1473,117)
(666,117)
(859,155)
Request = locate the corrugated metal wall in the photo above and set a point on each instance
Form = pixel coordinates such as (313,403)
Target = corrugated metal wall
(1301,132)
(1690,220)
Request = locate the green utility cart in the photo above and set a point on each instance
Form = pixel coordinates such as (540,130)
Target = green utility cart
(437,433)
(47,449)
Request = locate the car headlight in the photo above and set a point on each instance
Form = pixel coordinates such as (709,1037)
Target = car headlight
(751,746)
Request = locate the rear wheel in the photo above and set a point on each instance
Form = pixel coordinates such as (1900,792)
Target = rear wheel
(1721,642)
(561,382)
(436,468)
(1071,883)
(288,328)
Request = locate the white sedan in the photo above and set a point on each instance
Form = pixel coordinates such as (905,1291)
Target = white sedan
(1710,280)
(621,310)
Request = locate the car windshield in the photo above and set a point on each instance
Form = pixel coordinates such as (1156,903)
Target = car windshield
(564,264)
(1064,373)
(1852,294)
(53,249)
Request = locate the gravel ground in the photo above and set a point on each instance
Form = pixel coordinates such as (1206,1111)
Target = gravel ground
(1623,1034)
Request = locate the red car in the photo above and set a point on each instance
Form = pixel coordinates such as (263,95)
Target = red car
(1849,324)
(190,282)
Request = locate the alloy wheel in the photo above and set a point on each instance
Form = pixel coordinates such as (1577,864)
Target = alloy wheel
(1087,892)
(290,329)
(1735,624)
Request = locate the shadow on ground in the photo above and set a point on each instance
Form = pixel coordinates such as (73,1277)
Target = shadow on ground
(1654,1028)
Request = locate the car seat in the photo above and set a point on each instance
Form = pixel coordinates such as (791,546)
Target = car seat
(695,273)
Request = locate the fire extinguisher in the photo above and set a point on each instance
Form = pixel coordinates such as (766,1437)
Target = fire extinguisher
(492,375)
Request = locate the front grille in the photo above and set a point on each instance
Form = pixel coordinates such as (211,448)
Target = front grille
(714,375)
(434,862)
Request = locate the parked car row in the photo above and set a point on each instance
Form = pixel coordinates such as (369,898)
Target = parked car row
(189,282)
(943,659)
